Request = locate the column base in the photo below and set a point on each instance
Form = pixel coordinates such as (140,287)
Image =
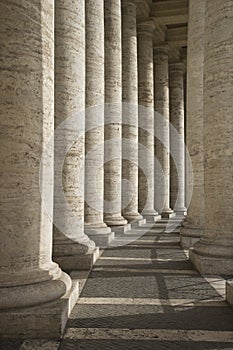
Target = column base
(101,234)
(102,240)
(151,216)
(229,292)
(115,221)
(190,235)
(168,214)
(77,261)
(210,259)
(42,321)
(138,223)
(120,230)
(187,242)
(78,253)
(135,219)
(131,217)
(180,212)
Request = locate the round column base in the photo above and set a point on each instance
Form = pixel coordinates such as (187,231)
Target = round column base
(28,294)
(212,257)
(101,234)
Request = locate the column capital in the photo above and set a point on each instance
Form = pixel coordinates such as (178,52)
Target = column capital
(125,3)
(177,67)
(161,50)
(146,27)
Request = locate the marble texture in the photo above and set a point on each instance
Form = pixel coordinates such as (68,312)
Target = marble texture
(146,120)
(162,145)
(177,138)
(193,226)
(213,254)
(113,114)
(95,227)
(72,249)
(28,276)
(130,111)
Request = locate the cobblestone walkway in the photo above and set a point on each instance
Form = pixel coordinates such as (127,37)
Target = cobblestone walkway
(147,295)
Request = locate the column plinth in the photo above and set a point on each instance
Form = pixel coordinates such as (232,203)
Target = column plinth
(162,128)
(95,227)
(213,254)
(130,111)
(177,160)
(34,292)
(146,121)
(193,226)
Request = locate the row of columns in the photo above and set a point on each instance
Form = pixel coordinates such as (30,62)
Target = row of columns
(83,99)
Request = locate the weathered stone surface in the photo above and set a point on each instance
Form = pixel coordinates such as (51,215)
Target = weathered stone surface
(229,292)
(40,321)
(162,145)
(72,249)
(94,142)
(130,111)
(146,120)
(28,277)
(177,141)
(113,114)
(214,252)
(193,226)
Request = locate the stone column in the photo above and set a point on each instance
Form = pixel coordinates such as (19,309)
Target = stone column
(130,111)
(113,118)
(146,120)
(213,254)
(72,248)
(162,127)
(94,167)
(177,159)
(193,226)
(28,276)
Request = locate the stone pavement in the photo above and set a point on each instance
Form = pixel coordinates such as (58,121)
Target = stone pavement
(145,295)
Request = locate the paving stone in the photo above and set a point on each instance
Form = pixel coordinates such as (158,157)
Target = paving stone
(142,291)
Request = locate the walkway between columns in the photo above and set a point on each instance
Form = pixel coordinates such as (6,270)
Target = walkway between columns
(147,295)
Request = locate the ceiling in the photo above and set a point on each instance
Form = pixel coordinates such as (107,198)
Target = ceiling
(171,23)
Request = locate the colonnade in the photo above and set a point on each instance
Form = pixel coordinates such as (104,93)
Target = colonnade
(111,93)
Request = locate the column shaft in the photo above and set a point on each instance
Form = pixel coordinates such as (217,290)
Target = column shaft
(72,248)
(130,111)
(113,118)
(193,226)
(94,143)
(146,120)
(28,277)
(162,127)
(177,159)
(214,252)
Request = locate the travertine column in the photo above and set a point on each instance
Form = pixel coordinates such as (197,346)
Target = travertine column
(72,248)
(193,226)
(28,277)
(162,146)
(177,173)
(146,120)
(94,174)
(130,110)
(213,254)
(113,119)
